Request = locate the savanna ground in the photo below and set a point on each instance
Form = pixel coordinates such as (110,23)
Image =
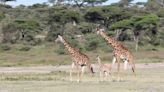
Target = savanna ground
(42,70)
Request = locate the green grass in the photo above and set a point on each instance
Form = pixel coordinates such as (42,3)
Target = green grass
(45,54)
(147,80)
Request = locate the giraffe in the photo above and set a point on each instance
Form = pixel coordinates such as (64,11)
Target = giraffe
(119,52)
(103,68)
(79,59)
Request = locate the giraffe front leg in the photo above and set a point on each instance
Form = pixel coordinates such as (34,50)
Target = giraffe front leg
(101,75)
(125,64)
(72,67)
(82,71)
(106,75)
(111,76)
(125,67)
(118,68)
(78,73)
(113,61)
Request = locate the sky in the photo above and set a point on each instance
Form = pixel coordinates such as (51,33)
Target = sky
(31,2)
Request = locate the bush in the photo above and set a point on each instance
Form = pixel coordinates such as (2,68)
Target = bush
(25,48)
(92,45)
(74,43)
(5,47)
(92,42)
(61,50)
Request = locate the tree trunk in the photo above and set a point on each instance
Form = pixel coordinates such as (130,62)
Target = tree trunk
(118,32)
(74,23)
(78,5)
(21,34)
(136,39)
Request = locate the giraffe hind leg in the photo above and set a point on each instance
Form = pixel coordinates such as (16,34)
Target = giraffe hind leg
(71,70)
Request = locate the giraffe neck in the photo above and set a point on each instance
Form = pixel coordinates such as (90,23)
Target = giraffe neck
(68,46)
(99,60)
(110,40)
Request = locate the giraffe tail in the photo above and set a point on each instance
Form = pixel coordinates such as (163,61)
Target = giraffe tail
(91,69)
(133,69)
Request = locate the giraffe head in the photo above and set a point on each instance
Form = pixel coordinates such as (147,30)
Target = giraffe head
(99,30)
(98,59)
(59,38)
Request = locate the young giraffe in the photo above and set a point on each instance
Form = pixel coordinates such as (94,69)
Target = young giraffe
(79,59)
(103,68)
(120,52)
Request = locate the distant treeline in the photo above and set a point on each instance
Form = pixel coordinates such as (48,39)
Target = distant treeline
(139,22)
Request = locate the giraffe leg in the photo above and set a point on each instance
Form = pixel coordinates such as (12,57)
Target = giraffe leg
(82,71)
(111,77)
(106,75)
(125,66)
(78,74)
(100,75)
(118,68)
(72,67)
(113,61)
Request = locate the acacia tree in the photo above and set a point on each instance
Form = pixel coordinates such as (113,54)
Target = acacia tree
(121,26)
(56,2)
(124,3)
(81,3)
(106,15)
(154,5)
(94,2)
(59,17)
(143,23)
(27,29)
(139,24)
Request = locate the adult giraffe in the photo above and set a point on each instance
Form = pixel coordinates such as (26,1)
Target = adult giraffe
(79,59)
(119,52)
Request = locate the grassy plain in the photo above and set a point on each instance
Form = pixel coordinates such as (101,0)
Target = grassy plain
(47,55)
(147,80)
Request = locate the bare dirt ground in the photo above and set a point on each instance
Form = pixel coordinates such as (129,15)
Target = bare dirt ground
(48,69)
(48,79)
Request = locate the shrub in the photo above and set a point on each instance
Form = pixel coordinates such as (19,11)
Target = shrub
(92,45)
(60,50)
(5,47)
(24,48)
(92,42)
